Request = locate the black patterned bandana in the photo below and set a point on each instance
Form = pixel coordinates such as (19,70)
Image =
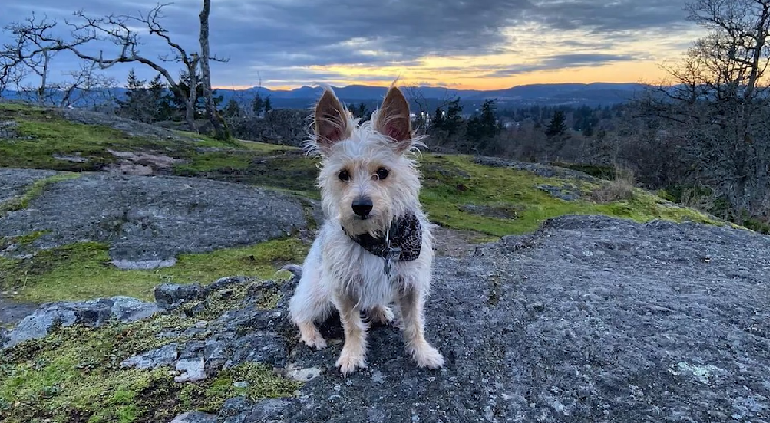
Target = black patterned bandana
(402,242)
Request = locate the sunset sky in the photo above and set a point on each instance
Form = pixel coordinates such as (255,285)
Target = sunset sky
(482,44)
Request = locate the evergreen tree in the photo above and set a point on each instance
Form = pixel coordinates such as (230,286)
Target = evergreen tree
(257,105)
(137,105)
(268,106)
(232,109)
(557,126)
(163,109)
(363,112)
(488,121)
(438,119)
(453,119)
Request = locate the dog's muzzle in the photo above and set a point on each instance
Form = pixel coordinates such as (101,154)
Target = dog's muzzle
(362,206)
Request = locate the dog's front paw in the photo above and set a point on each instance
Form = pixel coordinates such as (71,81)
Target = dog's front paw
(311,336)
(429,357)
(349,361)
(317,341)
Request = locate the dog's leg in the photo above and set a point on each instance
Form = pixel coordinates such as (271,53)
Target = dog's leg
(305,307)
(411,302)
(310,302)
(354,351)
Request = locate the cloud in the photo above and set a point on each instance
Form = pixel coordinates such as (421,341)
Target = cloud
(293,40)
(612,17)
(562,61)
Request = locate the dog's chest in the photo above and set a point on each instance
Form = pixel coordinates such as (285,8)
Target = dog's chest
(371,284)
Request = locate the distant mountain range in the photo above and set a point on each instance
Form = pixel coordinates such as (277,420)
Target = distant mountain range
(593,94)
(573,94)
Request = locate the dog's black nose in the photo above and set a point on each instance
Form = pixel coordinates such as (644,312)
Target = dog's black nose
(362,206)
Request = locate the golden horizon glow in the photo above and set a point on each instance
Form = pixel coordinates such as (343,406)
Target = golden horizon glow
(527,58)
(620,72)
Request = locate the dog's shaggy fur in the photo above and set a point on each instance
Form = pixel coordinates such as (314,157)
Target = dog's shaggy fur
(368,181)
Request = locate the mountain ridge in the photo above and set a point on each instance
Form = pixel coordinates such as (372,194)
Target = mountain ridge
(556,94)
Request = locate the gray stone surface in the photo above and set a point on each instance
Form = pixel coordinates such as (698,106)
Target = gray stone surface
(589,319)
(163,356)
(194,417)
(90,313)
(153,219)
(15,182)
(128,126)
(566,192)
(11,312)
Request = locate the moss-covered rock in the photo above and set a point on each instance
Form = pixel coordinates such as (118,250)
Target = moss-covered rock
(82,373)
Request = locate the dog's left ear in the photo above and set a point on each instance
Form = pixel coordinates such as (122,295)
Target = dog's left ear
(393,119)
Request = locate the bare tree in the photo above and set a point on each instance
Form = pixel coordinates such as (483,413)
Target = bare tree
(28,58)
(718,104)
(220,128)
(86,87)
(11,74)
(121,31)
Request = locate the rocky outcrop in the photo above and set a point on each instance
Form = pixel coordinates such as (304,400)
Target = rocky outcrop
(15,182)
(148,221)
(90,313)
(128,126)
(536,168)
(589,319)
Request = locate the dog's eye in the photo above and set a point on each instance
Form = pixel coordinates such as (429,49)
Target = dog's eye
(344,175)
(382,173)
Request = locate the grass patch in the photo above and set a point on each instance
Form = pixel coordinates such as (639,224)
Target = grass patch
(291,171)
(74,375)
(224,162)
(82,271)
(42,135)
(452,182)
(234,143)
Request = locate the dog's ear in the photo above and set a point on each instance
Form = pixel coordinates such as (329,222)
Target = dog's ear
(393,119)
(331,123)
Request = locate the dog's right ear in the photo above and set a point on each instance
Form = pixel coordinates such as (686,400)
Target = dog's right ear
(331,123)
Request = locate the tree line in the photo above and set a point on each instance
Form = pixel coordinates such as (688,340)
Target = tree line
(702,135)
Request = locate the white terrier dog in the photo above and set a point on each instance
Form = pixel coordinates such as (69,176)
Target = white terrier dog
(375,247)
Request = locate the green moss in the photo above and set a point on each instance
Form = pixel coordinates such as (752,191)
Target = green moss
(74,374)
(293,172)
(451,182)
(21,240)
(260,382)
(82,271)
(210,161)
(254,381)
(7,107)
(43,135)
